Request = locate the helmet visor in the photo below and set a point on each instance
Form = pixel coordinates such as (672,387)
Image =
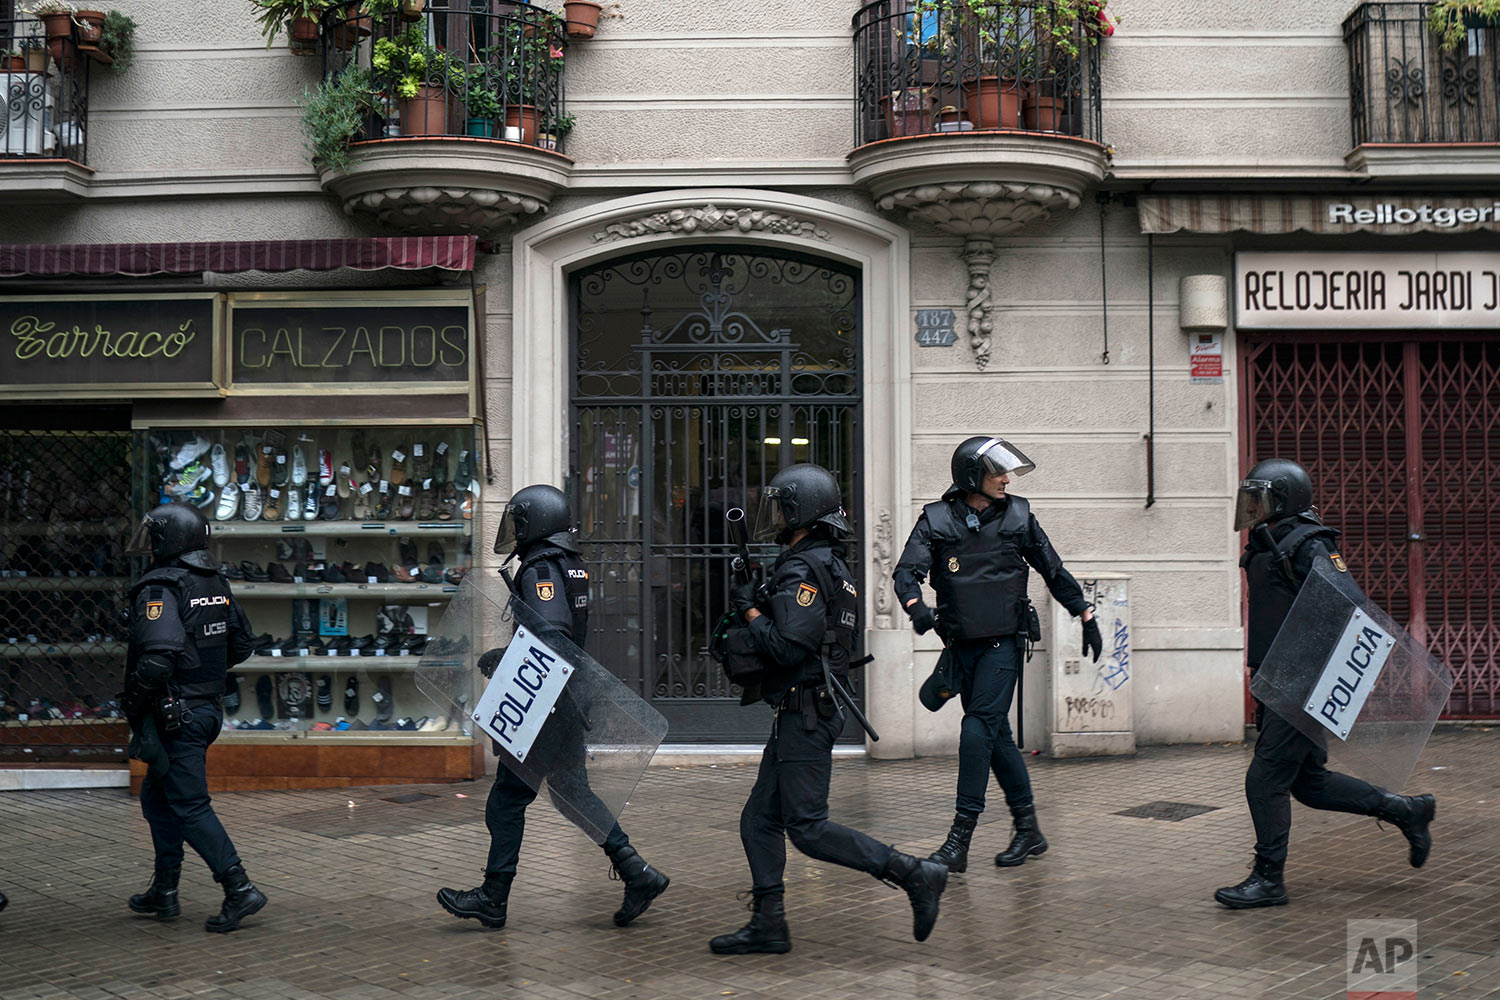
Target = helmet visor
(770,520)
(1000,456)
(140,539)
(1253,503)
(505,536)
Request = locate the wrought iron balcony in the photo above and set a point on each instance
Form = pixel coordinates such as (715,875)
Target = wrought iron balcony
(1405,88)
(466,120)
(927,67)
(44,92)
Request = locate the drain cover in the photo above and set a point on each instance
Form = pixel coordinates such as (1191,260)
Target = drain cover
(1172,812)
(409,797)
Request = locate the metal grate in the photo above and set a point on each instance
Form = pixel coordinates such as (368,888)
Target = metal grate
(1172,812)
(64,518)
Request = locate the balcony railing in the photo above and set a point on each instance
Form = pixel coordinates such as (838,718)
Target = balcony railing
(476,68)
(44,92)
(1404,88)
(948,66)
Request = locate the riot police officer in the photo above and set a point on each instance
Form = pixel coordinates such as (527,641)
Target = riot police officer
(186,631)
(800,629)
(976,543)
(1287,537)
(536,528)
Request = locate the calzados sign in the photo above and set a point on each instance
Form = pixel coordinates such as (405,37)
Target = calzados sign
(125,341)
(348,341)
(527,683)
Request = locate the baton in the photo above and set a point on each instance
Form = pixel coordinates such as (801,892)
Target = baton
(846,701)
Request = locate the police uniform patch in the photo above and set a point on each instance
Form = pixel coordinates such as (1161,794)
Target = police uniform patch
(544,591)
(1338,562)
(953,564)
(805,594)
(153,610)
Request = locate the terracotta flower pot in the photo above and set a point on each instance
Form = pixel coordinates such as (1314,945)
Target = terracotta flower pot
(302,36)
(353,25)
(582,16)
(63,52)
(991,102)
(13,64)
(58,25)
(90,25)
(524,117)
(425,114)
(1043,113)
(411,10)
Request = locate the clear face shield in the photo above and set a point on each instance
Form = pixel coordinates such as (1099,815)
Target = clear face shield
(505,536)
(1253,503)
(769,520)
(140,539)
(1000,456)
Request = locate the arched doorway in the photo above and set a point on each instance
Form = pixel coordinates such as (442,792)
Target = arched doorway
(697,374)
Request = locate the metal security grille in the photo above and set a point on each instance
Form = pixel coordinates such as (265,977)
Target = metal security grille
(699,375)
(64,518)
(1402,440)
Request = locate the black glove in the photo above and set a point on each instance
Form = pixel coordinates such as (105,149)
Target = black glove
(922,618)
(490,659)
(1092,639)
(743,596)
(945,629)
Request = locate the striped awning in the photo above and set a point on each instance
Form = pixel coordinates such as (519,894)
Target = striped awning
(406,253)
(1391,215)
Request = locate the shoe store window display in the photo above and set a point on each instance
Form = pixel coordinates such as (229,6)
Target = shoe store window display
(186,631)
(346,543)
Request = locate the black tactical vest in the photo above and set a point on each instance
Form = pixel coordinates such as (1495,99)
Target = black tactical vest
(842,605)
(567,570)
(203,609)
(979,576)
(1272,589)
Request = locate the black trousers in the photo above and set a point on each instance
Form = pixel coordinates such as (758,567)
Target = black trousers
(1288,764)
(177,805)
(505,815)
(987,676)
(790,799)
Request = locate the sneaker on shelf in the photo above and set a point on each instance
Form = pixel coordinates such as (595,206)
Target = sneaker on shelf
(187,480)
(189,452)
(299,465)
(275,500)
(293,504)
(202,498)
(218,461)
(310,506)
(242,464)
(255,502)
(325,467)
(229,504)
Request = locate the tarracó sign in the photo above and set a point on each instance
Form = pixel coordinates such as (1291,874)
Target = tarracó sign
(527,683)
(1349,674)
(1307,291)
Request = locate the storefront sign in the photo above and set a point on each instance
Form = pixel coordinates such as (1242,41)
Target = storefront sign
(1320,291)
(120,343)
(1206,358)
(345,340)
(1436,214)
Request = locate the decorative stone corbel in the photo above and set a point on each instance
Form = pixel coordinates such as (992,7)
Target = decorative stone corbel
(979,254)
(882,553)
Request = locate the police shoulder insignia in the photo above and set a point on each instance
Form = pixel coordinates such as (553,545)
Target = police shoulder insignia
(805,594)
(953,564)
(153,610)
(1338,562)
(544,591)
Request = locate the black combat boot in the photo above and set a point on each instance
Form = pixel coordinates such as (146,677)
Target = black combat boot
(954,854)
(1262,888)
(924,882)
(486,903)
(642,883)
(766,933)
(160,897)
(241,899)
(1027,842)
(1411,814)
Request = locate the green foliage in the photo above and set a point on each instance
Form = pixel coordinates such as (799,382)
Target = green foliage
(49,7)
(276,15)
(332,116)
(1020,24)
(118,40)
(1446,19)
(406,62)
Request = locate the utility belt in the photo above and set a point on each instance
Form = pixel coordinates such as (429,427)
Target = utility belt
(811,701)
(172,711)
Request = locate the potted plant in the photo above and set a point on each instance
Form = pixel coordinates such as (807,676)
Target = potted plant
(89,25)
(333,114)
(299,18)
(118,40)
(582,17)
(57,23)
(34,48)
(350,25)
(531,68)
(1452,20)
(420,77)
(12,61)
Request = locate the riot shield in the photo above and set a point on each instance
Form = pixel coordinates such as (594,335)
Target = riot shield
(560,720)
(1351,679)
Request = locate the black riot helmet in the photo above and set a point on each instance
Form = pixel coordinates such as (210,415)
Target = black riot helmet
(800,497)
(985,456)
(172,531)
(1274,487)
(533,514)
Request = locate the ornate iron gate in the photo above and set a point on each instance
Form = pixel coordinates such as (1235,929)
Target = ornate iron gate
(1402,440)
(699,374)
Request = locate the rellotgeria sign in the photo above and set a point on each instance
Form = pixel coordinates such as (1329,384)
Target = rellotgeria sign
(104,343)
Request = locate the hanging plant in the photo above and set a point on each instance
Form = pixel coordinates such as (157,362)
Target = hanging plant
(118,40)
(1452,20)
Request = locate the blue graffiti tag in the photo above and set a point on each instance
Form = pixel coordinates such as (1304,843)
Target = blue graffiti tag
(1115,671)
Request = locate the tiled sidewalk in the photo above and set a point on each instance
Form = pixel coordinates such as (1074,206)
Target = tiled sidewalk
(1120,907)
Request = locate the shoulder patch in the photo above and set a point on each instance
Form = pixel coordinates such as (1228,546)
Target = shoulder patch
(806,592)
(1338,562)
(153,610)
(545,590)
